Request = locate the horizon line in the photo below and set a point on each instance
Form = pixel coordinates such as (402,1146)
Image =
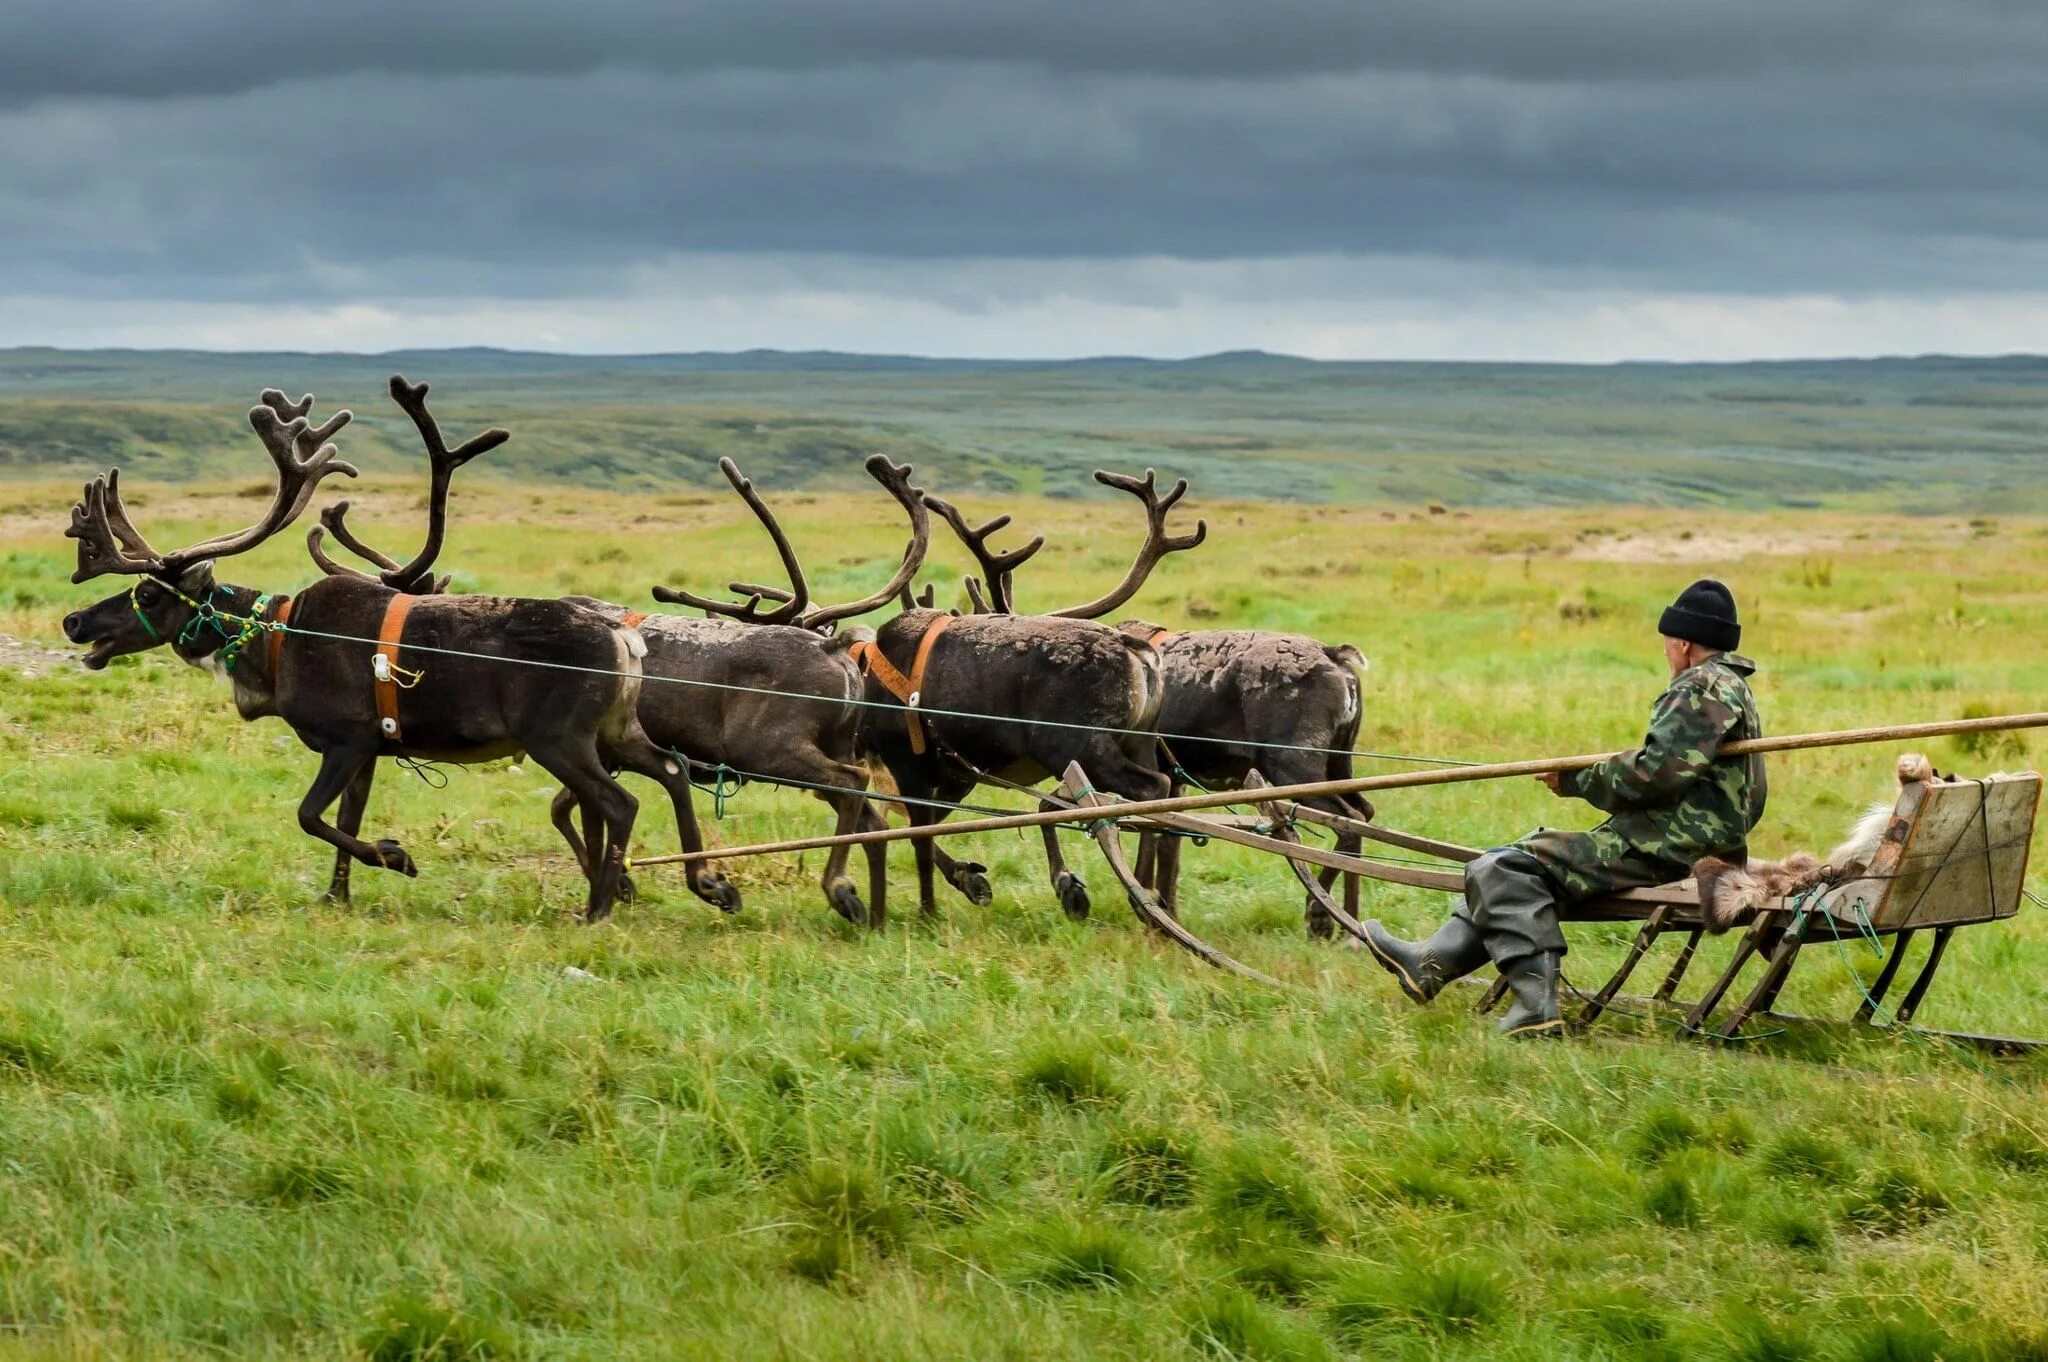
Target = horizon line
(886,357)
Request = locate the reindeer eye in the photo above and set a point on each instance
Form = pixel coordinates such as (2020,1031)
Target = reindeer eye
(148,594)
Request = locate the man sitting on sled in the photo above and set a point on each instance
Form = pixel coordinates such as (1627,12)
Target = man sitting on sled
(1669,803)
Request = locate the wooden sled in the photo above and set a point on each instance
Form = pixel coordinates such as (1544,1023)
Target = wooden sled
(1955,854)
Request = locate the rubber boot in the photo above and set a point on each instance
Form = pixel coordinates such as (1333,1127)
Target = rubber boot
(1422,968)
(1532,984)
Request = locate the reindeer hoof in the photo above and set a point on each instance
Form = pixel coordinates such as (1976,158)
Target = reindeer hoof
(846,902)
(594,915)
(1073,895)
(971,879)
(392,856)
(1321,926)
(720,892)
(337,895)
(627,891)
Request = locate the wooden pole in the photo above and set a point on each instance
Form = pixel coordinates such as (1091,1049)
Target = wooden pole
(1401,780)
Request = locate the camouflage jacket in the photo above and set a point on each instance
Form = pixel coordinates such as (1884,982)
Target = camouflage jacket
(1672,800)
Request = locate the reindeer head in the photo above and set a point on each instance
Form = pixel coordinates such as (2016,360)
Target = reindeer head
(173,590)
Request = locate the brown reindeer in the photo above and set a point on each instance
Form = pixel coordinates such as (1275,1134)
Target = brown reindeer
(764,693)
(1055,689)
(1236,700)
(1240,701)
(361,672)
(807,731)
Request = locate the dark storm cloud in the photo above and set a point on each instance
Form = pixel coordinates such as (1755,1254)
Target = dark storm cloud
(220,149)
(117,47)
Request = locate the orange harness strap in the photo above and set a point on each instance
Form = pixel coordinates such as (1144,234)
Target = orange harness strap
(284,613)
(385,666)
(909,689)
(633,618)
(1159,636)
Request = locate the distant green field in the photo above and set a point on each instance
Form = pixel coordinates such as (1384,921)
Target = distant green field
(451,1122)
(1920,436)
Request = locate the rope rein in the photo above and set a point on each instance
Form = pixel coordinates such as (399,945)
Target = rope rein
(253,626)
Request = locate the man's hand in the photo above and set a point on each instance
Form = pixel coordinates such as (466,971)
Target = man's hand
(1549,781)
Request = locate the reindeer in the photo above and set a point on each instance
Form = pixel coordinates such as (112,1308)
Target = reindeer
(335,675)
(1237,701)
(1057,689)
(1248,705)
(765,693)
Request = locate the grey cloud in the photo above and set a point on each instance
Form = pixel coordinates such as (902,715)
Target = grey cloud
(59,48)
(518,183)
(230,152)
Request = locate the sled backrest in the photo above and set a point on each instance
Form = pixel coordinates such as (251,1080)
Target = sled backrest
(1955,853)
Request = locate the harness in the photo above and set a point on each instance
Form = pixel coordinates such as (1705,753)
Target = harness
(284,613)
(1159,636)
(909,689)
(206,615)
(388,676)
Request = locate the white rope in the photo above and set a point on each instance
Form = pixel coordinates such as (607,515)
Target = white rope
(876,704)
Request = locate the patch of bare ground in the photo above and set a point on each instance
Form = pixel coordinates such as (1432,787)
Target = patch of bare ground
(31,658)
(1692,545)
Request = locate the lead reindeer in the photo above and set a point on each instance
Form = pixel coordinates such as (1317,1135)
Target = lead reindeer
(336,676)
(1239,704)
(762,692)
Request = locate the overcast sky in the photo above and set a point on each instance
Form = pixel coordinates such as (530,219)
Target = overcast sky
(1539,179)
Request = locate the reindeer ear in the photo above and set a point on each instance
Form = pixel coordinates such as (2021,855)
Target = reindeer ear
(197,580)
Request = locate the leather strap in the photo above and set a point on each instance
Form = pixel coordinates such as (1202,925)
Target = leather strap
(1159,636)
(284,614)
(909,689)
(873,661)
(633,618)
(385,679)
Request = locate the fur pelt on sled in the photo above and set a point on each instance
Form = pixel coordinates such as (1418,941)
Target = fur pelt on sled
(1731,894)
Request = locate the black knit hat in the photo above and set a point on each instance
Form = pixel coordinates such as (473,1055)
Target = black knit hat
(1704,613)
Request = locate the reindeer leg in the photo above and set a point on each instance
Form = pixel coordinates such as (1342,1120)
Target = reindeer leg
(338,767)
(1169,873)
(600,843)
(1147,869)
(927,904)
(1073,893)
(969,877)
(583,772)
(643,758)
(871,820)
(839,890)
(350,821)
(558,813)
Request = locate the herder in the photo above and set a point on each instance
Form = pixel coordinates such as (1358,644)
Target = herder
(1669,803)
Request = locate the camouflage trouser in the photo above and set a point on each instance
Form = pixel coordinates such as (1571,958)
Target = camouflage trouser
(1515,900)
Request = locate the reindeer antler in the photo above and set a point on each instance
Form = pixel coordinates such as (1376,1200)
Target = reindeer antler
(895,477)
(442,461)
(1158,543)
(996,568)
(332,520)
(791,603)
(109,542)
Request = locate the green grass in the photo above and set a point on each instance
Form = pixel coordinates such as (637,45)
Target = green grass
(236,1121)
